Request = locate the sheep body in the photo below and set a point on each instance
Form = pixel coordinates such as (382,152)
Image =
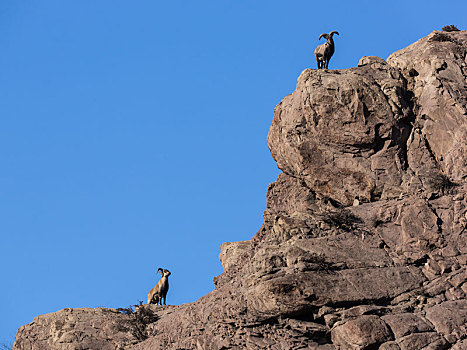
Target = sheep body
(324,52)
(159,293)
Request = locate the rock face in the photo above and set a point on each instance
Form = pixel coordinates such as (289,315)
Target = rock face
(363,244)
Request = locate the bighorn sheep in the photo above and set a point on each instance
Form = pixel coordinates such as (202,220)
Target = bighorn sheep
(324,52)
(159,292)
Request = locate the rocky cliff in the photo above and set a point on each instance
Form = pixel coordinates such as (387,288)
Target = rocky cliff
(363,244)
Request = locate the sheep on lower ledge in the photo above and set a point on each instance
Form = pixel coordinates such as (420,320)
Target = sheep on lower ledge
(159,292)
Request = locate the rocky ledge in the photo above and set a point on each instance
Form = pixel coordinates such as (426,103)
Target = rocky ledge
(363,244)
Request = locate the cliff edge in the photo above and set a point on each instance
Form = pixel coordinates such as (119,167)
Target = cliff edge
(363,244)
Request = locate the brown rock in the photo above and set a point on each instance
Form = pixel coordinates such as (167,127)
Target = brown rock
(342,132)
(449,319)
(460,345)
(90,328)
(361,333)
(425,341)
(404,324)
(436,75)
(389,346)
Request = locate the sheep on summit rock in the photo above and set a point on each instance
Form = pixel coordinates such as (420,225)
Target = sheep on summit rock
(324,52)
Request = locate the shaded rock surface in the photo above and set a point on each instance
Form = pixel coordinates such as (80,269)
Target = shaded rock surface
(363,244)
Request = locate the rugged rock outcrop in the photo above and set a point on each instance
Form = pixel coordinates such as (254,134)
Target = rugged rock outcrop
(363,244)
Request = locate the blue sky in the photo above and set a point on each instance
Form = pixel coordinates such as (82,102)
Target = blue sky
(133,134)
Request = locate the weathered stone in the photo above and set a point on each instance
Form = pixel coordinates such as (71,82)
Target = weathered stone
(292,294)
(404,324)
(371,60)
(361,333)
(460,345)
(449,318)
(90,328)
(439,88)
(425,341)
(363,310)
(341,133)
(390,345)
(232,252)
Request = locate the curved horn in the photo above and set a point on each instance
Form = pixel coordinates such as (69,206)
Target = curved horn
(323,35)
(333,32)
(159,269)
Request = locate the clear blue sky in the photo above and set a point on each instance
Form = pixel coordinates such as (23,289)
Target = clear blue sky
(133,134)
